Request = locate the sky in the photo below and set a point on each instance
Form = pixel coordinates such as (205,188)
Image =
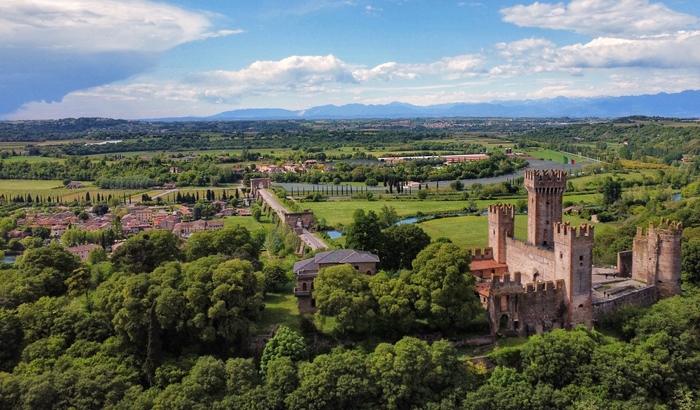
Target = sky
(137,59)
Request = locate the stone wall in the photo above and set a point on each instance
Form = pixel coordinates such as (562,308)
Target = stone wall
(305,219)
(528,260)
(526,310)
(624,264)
(643,297)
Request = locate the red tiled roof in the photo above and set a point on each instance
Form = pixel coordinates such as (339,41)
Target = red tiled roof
(483,288)
(485,264)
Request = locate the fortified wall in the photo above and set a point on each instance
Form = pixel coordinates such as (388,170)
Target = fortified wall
(526,310)
(657,257)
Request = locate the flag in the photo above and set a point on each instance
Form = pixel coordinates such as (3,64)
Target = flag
(569,161)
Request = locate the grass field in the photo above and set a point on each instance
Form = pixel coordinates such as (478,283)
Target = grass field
(280,308)
(340,212)
(472,231)
(248,222)
(55,189)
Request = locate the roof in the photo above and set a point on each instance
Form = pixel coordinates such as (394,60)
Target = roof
(485,264)
(336,257)
(82,248)
(483,288)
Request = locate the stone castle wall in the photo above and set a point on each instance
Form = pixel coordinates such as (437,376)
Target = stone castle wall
(528,260)
(526,310)
(643,297)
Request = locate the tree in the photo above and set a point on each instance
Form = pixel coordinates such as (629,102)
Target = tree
(387,216)
(97,255)
(145,251)
(11,334)
(285,343)
(611,190)
(521,205)
(556,357)
(446,294)
(343,293)
(79,282)
(338,380)
(365,233)
(691,261)
(457,185)
(276,276)
(395,299)
(402,245)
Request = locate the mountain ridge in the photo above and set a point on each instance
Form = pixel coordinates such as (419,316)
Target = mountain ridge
(685,104)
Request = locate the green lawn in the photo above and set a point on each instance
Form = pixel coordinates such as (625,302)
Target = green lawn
(280,308)
(472,231)
(248,222)
(340,212)
(28,185)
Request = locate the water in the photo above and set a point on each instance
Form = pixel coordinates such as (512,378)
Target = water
(677,197)
(334,234)
(407,221)
(10,259)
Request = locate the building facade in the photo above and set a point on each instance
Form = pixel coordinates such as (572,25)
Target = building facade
(307,270)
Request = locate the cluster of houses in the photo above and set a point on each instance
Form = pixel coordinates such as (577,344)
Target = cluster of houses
(270,169)
(138,219)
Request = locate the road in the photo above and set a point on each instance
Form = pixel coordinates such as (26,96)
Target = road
(272,202)
(312,241)
(307,237)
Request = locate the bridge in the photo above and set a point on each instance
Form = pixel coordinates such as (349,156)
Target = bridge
(300,222)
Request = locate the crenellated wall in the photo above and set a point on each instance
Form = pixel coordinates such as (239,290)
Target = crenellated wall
(656,257)
(526,310)
(645,296)
(532,262)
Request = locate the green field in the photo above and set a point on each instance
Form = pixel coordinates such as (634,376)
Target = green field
(248,222)
(54,189)
(472,231)
(340,212)
(280,308)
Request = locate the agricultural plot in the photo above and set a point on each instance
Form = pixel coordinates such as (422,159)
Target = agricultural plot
(55,189)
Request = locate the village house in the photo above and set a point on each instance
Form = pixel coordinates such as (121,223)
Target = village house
(307,270)
(82,251)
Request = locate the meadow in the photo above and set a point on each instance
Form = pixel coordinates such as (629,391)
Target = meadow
(338,213)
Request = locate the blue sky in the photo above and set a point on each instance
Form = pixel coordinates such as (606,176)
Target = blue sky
(150,59)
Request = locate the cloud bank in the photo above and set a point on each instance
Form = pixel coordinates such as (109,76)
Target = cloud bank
(51,47)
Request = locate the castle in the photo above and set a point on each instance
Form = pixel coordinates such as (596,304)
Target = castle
(548,280)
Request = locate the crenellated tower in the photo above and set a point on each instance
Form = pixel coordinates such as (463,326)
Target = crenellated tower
(501,226)
(545,191)
(657,257)
(573,262)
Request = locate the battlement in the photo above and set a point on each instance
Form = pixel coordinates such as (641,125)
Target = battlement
(500,211)
(665,227)
(478,254)
(565,233)
(545,286)
(553,178)
(502,281)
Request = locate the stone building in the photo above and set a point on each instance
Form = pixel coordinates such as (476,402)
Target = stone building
(552,270)
(307,270)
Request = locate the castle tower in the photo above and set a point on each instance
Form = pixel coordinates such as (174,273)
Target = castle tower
(657,257)
(573,262)
(501,226)
(545,190)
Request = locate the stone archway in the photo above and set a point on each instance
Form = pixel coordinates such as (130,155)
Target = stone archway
(503,322)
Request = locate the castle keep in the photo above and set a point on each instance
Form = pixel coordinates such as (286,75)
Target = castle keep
(548,281)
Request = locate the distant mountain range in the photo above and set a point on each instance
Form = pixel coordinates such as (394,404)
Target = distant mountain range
(680,105)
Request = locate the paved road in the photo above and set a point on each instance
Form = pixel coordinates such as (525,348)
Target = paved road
(307,237)
(312,241)
(272,202)
(164,193)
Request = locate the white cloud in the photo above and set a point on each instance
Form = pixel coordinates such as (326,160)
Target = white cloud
(100,25)
(532,56)
(614,18)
